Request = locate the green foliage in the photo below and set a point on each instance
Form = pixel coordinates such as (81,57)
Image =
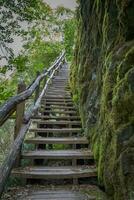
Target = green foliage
(7,89)
(3,70)
(12,13)
(42,54)
(69,32)
(20,63)
(75,98)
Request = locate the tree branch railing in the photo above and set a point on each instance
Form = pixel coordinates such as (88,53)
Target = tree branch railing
(22,123)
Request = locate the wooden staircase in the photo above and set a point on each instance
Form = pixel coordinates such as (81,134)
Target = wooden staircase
(57,125)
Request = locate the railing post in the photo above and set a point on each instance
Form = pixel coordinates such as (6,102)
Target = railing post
(37,91)
(45,78)
(20,109)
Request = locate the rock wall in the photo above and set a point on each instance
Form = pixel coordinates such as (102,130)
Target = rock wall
(102,82)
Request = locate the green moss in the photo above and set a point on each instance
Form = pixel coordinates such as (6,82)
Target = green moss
(102,76)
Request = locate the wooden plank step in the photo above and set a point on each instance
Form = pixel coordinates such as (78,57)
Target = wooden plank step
(57,195)
(58,93)
(59,87)
(64,81)
(56,130)
(57,97)
(59,83)
(60,78)
(58,154)
(56,117)
(62,91)
(50,122)
(65,94)
(60,111)
(55,172)
(58,107)
(56,140)
(59,100)
(58,103)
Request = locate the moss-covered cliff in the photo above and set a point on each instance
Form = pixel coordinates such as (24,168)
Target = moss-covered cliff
(102,81)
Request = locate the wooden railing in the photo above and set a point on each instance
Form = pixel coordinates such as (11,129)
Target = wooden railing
(22,120)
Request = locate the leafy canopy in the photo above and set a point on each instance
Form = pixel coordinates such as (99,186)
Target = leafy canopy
(12,14)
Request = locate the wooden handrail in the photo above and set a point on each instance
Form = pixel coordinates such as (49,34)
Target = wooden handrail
(9,107)
(8,164)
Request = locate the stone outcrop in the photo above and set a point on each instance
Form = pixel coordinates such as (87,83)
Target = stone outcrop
(102,82)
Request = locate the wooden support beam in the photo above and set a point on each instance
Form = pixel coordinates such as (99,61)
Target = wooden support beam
(20,109)
(37,91)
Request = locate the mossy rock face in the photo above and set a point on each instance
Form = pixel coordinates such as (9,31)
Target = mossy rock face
(102,82)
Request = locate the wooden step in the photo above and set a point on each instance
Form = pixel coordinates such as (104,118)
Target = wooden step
(64,94)
(56,130)
(60,112)
(56,97)
(57,140)
(55,172)
(50,122)
(60,80)
(63,86)
(58,100)
(58,154)
(59,85)
(59,194)
(58,107)
(56,117)
(59,88)
(58,103)
(59,93)
(63,89)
